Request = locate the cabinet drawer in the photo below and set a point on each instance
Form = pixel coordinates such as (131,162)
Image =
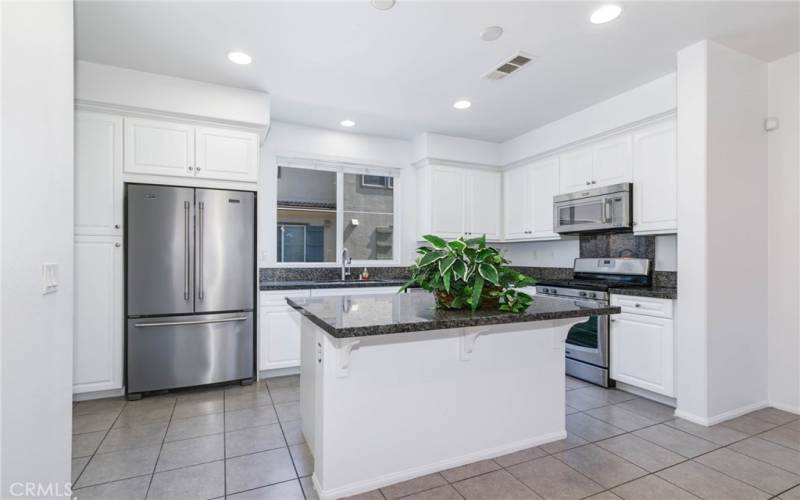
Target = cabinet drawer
(278,297)
(648,306)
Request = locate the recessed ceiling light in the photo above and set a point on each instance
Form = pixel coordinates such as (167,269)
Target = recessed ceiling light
(239,58)
(605,14)
(462,104)
(347,123)
(382,4)
(491,33)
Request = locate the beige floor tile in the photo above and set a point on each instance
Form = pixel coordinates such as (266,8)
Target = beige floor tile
(470,470)
(440,493)
(649,409)
(495,485)
(619,417)
(416,485)
(710,484)
(186,452)
(754,472)
(604,468)
(590,428)
(783,436)
(289,490)
(749,425)
(675,440)
(520,456)
(652,488)
(793,494)
(771,453)
(259,469)
(126,489)
(645,454)
(198,481)
(718,434)
(774,415)
(552,479)
(571,441)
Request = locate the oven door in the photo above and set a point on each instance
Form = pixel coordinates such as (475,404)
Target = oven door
(596,213)
(588,341)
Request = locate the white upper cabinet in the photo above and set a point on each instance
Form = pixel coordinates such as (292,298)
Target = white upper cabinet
(544,186)
(227,154)
(98,317)
(528,200)
(576,170)
(516,204)
(655,178)
(613,161)
(455,201)
(98,174)
(159,148)
(484,204)
(601,164)
(448,201)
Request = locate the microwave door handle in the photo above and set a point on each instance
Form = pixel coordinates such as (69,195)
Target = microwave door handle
(607,210)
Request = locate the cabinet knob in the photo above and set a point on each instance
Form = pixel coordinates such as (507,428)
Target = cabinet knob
(117,245)
(594,182)
(198,169)
(190,169)
(116,226)
(588,183)
(637,305)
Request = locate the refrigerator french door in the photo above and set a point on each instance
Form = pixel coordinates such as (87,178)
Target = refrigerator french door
(190,278)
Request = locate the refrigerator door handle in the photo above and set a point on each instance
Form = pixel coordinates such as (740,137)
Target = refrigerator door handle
(201,207)
(198,322)
(186,269)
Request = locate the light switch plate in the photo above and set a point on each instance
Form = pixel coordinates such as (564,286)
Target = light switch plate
(49,278)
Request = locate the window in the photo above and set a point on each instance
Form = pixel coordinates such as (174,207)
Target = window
(306,215)
(314,227)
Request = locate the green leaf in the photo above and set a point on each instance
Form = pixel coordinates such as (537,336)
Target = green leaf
(446,280)
(437,242)
(476,293)
(489,273)
(457,246)
(486,252)
(430,258)
(460,269)
(446,263)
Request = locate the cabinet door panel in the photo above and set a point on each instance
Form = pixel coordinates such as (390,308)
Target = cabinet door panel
(516,205)
(227,154)
(642,352)
(98,318)
(98,174)
(484,204)
(544,186)
(279,329)
(576,170)
(655,173)
(448,203)
(612,162)
(160,148)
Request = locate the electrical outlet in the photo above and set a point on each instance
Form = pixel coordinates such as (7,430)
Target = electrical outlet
(49,278)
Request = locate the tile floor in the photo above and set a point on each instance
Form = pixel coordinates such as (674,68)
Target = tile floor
(245,443)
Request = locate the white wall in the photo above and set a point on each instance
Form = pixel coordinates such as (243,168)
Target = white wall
(646,101)
(298,141)
(100,83)
(458,149)
(783,226)
(722,251)
(37,207)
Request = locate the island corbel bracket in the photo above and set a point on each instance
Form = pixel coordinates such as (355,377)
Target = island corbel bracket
(467,341)
(343,356)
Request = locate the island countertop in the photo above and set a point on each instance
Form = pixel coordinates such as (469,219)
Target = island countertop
(366,315)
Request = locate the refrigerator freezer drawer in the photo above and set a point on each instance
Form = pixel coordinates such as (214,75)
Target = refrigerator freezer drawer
(183,351)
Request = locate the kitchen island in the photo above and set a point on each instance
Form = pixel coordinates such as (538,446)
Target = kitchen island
(392,388)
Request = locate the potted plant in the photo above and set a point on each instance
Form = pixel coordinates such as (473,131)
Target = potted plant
(465,273)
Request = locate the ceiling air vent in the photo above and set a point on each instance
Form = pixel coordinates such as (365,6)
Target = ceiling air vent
(515,63)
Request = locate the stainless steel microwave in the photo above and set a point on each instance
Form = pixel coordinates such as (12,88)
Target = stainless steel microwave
(608,208)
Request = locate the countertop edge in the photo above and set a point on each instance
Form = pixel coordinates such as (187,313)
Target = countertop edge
(657,293)
(389,329)
(317,286)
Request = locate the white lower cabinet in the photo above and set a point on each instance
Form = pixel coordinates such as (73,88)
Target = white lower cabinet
(643,345)
(279,324)
(98,341)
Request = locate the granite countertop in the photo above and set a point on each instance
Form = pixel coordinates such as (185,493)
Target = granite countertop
(382,314)
(658,292)
(309,284)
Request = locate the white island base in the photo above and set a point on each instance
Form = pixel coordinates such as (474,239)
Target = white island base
(382,409)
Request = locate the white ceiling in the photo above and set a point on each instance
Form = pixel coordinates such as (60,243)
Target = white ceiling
(397,72)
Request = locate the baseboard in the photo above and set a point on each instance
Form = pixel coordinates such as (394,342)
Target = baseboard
(786,407)
(638,391)
(278,372)
(87,396)
(720,417)
(386,480)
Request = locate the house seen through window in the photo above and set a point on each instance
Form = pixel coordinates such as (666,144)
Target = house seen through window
(309,218)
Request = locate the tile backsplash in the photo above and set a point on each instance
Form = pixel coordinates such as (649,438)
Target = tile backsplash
(618,245)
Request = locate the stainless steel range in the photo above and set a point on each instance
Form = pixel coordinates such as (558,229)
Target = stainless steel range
(588,342)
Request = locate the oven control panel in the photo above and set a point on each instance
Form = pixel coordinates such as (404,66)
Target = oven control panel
(571,293)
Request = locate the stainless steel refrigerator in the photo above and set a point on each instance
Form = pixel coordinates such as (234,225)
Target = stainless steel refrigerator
(190,287)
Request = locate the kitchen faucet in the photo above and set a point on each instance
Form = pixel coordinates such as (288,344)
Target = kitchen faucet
(346,261)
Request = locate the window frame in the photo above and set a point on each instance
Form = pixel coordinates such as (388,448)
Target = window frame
(341,168)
